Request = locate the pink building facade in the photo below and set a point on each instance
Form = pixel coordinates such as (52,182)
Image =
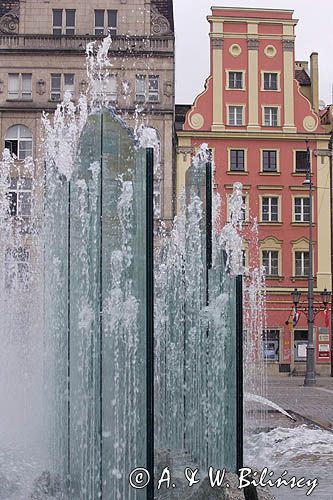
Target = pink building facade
(258,112)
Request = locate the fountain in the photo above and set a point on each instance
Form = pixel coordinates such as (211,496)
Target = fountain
(89,391)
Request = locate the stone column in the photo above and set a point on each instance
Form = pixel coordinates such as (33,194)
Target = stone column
(288,79)
(253,84)
(217,102)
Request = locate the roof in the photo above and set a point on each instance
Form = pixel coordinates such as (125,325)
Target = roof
(180,114)
(302,77)
(165,7)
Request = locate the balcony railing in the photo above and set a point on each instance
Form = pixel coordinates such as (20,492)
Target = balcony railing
(125,44)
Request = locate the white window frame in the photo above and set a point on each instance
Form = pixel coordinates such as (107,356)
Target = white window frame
(303,274)
(277,73)
(270,259)
(20,188)
(105,28)
(300,217)
(56,93)
(63,28)
(270,123)
(229,160)
(21,93)
(140,88)
(233,109)
(262,163)
(23,136)
(270,211)
(153,93)
(300,172)
(228,72)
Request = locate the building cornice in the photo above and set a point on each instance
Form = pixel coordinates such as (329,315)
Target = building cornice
(302,136)
(259,20)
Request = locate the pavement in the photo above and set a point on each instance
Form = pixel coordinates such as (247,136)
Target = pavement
(314,404)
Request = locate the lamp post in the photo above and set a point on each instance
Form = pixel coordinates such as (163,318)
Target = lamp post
(310,375)
(329,152)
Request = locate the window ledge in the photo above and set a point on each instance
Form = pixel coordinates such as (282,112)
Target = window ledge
(298,278)
(269,173)
(19,100)
(274,278)
(301,224)
(298,174)
(266,223)
(237,172)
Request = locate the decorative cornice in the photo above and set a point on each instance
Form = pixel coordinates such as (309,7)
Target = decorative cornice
(288,45)
(10,21)
(159,23)
(217,43)
(253,44)
(185,151)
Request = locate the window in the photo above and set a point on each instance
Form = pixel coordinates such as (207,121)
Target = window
(69,28)
(19,195)
(270,81)
(70,22)
(235,79)
(140,88)
(100,18)
(55,87)
(20,86)
(112,22)
(270,261)
(17,268)
(237,157)
(18,140)
(60,84)
(271,117)
(271,340)
(301,161)
(153,88)
(236,115)
(57,21)
(301,209)
(110,88)
(270,209)
(269,161)
(157,199)
(301,263)
(69,84)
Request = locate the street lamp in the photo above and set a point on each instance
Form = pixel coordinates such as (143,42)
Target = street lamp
(296,295)
(329,152)
(325,297)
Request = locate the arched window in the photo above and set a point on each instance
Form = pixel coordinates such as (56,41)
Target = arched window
(19,141)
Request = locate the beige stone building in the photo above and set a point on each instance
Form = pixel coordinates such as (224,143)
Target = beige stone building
(42,55)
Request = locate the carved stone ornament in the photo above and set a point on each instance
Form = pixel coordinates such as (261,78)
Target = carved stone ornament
(10,21)
(185,151)
(41,87)
(167,89)
(253,44)
(217,43)
(288,45)
(159,24)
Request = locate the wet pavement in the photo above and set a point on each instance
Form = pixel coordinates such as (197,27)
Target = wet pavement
(312,403)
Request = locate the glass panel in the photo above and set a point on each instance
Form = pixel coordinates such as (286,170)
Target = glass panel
(26,86)
(55,87)
(69,83)
(70,18)
(13,85)
(99,22)
(57,21)
(140,88)
(110,86)
(112,21)
(25,149)
(12,197)
(301,161)
(153,88)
